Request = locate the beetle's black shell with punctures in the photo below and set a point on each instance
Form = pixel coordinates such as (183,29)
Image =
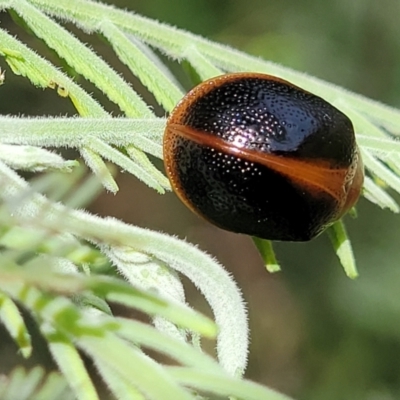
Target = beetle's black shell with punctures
(269,116)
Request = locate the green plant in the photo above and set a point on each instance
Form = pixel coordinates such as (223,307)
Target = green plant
(58,261)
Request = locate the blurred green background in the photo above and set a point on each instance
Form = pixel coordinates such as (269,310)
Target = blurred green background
(315,334)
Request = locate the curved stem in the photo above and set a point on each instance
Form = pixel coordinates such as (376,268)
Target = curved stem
(216,284)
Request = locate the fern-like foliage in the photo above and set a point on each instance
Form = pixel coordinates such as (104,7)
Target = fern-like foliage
(57,260)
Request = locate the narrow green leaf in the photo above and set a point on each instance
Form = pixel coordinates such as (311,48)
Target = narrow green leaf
(342,245)
(380,146)
(54,387)
(15,325)
(267,254)
(147,336)
(381,170)
(120,387)
(70,364)
(140,158)
(33,158)
(122,293)
(151,75)
(133,366)
(366,129)
(120,159)
(201,64)
(84,193)
(378,195)
(222,385)
(98,166)
(375,139)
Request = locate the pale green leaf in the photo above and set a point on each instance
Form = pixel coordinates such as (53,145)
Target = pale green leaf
(15,325)
(341,243)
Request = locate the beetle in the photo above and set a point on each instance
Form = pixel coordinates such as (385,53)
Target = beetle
(255,154)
